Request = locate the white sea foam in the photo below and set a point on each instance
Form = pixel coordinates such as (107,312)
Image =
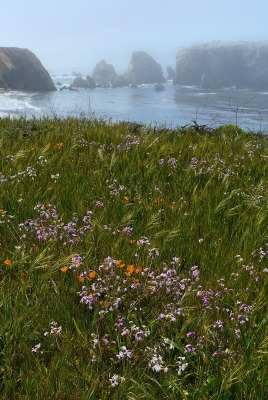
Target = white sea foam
(13,103)
(206,94)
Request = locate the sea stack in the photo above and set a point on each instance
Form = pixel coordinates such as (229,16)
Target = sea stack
(144,69)
(20,69)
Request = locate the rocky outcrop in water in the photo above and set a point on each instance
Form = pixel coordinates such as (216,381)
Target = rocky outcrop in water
(144,69)
(87,83)
(20,69)
(219,64)
(171,74)
(104,74)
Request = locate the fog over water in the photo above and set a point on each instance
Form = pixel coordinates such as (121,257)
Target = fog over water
(76,35)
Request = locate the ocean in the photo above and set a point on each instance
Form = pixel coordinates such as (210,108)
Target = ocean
(174,106)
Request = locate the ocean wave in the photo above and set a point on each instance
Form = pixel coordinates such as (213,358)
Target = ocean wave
(14,103)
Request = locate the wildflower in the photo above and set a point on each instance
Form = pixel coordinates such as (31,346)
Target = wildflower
(55,330)
(143,241)
(127,230)
(1,210)
(45,266)
(218,324)
(59,146)
(80,278)
(99,203)
(194,162)
(115,380)
(195,272)
(126,198)
(175,261)
(82,142)
(182,365)
(95,340)
(237,333)
(130,270)
(92,274)
(76,261)
(105,303)
(172,162)
(168,343)
(157,363)
(36,348)
(191,335)
(124,353)
(189,349)
(55,177)
(8,262)
(64,269)
(153,253)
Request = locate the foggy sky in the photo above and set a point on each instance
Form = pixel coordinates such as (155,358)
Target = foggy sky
(71,35)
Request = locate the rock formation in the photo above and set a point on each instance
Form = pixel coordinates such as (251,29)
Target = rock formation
(83,83)
(144,69)
(159,87)
(20,69)
(171,74)
(219,64)
(104,74)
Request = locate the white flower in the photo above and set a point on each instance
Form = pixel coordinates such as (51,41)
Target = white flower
(36,348)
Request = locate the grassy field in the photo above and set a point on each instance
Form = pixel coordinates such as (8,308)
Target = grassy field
(133,261)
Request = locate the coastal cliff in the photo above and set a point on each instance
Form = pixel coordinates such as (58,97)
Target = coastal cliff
(220,64)
(20,69)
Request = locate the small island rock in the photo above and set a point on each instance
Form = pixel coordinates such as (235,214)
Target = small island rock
(87,83)
(144,69)
(104,74)
(20,69)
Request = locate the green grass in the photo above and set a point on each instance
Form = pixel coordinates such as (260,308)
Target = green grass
(165,233)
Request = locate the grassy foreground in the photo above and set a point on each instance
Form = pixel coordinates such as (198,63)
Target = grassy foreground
(133,262)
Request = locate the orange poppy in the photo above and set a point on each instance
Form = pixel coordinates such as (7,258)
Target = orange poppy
(105,303)
(130,270)
(8,262)
(92,274)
